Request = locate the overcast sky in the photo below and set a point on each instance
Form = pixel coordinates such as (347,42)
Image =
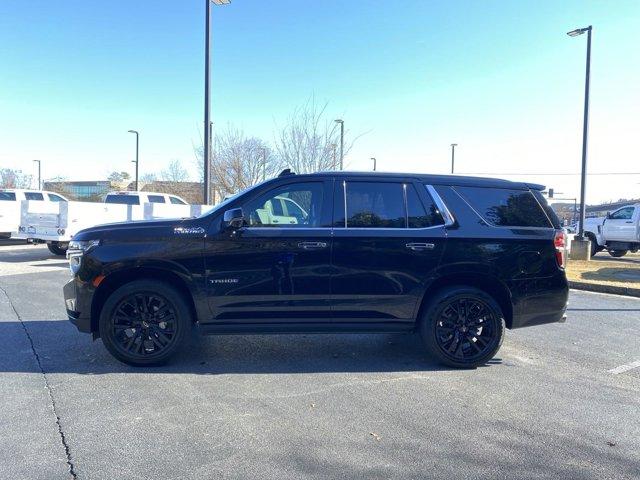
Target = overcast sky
(500,78)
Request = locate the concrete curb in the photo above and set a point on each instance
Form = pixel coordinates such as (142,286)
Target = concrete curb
(597,287)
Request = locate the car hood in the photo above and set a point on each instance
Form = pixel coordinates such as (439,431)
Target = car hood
(140,229)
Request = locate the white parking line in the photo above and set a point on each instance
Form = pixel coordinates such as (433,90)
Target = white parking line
(625,368)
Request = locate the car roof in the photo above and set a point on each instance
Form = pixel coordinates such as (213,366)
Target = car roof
(29,190)
(456,180)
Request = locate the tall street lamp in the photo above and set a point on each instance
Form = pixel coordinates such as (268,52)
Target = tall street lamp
(453,155)
(136,160)
(374,163)
(585,128)
(341,122)
(39,177)
(207,85)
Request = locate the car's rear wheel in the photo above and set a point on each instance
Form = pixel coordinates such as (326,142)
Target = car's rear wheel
(58,248)
(144,322)
(618,253)
(462,327)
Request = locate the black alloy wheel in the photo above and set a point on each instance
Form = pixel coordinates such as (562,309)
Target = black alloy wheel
(144,322)
(463,327)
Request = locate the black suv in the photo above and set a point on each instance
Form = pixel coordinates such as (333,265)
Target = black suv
(456,259)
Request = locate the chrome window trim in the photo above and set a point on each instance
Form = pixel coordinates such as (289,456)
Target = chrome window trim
(448,218)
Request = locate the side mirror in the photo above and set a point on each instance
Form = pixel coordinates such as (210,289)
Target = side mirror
(608,215)
(233,218)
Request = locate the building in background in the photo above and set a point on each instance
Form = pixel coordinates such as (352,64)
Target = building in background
(86,191)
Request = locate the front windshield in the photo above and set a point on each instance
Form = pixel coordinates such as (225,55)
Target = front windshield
(228,200)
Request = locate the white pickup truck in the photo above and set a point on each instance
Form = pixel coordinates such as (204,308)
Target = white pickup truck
(10,201)
(57,223)
(618,232)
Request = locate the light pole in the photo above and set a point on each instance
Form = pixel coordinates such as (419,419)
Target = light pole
(39,178)
(585,128)
(207,85)
(136,160)
(341,122)
(453,156)
(374,163)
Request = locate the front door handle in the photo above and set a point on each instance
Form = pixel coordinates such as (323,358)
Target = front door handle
(312,245)
(416,246)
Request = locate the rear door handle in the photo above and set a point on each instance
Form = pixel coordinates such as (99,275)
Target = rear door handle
(312,245)
(415,246)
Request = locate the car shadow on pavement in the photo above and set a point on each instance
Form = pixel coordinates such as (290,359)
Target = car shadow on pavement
(61,349)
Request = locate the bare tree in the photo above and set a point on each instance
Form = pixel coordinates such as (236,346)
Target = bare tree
(238,161)
(310,140)
(10,178)
(118,176)
(174,173)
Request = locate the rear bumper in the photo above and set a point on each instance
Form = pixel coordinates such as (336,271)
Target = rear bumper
(77,300)
(542,301)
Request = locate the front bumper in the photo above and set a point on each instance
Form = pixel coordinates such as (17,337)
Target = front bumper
(77,299)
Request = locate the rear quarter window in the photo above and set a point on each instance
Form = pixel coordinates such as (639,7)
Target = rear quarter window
(7,197)
(156,199)
(33,196)
(505,207)
(123,199)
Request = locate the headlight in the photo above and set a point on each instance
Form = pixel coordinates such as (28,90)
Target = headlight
(77,248)
(80,247)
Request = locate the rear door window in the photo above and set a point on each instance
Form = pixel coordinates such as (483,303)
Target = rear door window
(33,196)
(504,207)
(372,205)
(156,199)
(7,197)
(123,199)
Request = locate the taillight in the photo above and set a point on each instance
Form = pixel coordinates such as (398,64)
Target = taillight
(560,242)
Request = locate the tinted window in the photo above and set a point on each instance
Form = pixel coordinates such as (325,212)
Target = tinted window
(123,199)
(7,196)
(623,214)
(374,205)
(555,221)
(417,216)
(156,199)
(269,209)
(504,207)
(176,201)
(55,198)
(33,196)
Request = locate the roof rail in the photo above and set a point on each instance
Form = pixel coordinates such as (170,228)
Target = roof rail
(285,172)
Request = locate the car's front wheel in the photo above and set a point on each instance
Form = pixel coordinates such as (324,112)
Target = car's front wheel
(144,322)
(58,248)
(462,327)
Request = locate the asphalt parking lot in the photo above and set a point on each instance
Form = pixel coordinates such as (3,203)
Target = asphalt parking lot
(560,401)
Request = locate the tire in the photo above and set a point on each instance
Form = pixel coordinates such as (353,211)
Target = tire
(58,248)
(618,253)
(438,328)
(150,338)
(594,245)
